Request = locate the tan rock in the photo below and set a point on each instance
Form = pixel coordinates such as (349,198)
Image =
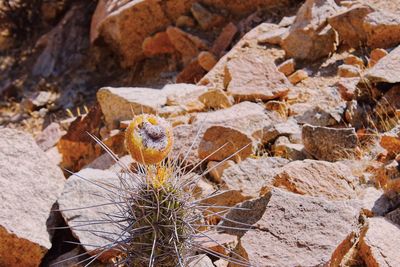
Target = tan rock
(347,88)
(252,174)
(290,151)
(296,230)
(376,55)
(185,21)
(275,36)
(330,144)
(124,102)
(287,67)
(349,25)
(332,181)
(298,76)
(219,243)
(205,18)
(192,73)
(185,96)
(387,69)
(157,44)
(378,246)
(271,132)
(383,29)
(252,77)
(30,185)
(201,261)
(279,106)
(186,44)
(50,136)
(86,189)
(310,37)
(348,71)
(216,99)
(224,39)
(355,61)
(206,60)
(216,169)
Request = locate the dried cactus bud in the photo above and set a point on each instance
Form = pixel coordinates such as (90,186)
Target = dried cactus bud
(149,139)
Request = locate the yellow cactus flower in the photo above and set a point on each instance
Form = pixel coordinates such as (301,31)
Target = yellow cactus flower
(149,139)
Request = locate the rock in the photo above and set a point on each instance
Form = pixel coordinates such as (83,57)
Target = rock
(124,102)
(347,88)
(224,39)
(273,131)
(252,77)
(185,21)
(252,174)
(274,37)
(216,169)
(206,60)
(391,141)
(287,67)
(389,103)
(355,61)
(186,44)
(30,186)
(378,246)
(376,203)
(348,71)
(349,25)
(201,261)
(330,144)
(383,29)
(192,73)
(290,151)
(310,37)
(298,76)
(376,55)
(50,136)
(279,106)
(386,70)
(388,177)
(298,230)
(218,243)
(216,99)
(332,181)
(186,96)
(157,44)
(87,188)
(394,216)
(205,18)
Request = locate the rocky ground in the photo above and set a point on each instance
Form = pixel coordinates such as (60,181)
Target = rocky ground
(302,96)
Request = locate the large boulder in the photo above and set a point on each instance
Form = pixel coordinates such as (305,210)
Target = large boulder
(294,230)
(30,185)
(383,29)
(311,37)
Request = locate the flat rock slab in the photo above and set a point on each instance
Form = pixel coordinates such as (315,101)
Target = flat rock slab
(333,181)
(380,244)
(330,144)
(82,191)
(300,231)
(387,69)
(30,185)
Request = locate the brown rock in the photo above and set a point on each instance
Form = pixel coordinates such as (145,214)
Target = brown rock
(355,61)
(348,71)
(216,169)
(186,44)
(273,131)
(206,60)
(279,106)
(376,55)
(192,73)
(298,76)
(252,77)
(252,174)
(124,102)
(287,67)
(310,37)
(391,141)
(349,25)
(30,184)
(332,181)
(185,21)
(216,99)
(296,230)
(275,36)
(379,245)
(383,29)
(224,39)
(83,190)
(330,144)
(387,69)
(157,44)
(347,88)
(205,18)
(290,151)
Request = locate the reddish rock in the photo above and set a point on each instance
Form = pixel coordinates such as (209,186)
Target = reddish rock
(347,88)
(252,77)
(354,61)
(157,44)
(391,141)
(192,73)
(376,55)
(206,60)
(287,67)
(205,18)
(383,29)
(224,39)
(348,71)
(298,76)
